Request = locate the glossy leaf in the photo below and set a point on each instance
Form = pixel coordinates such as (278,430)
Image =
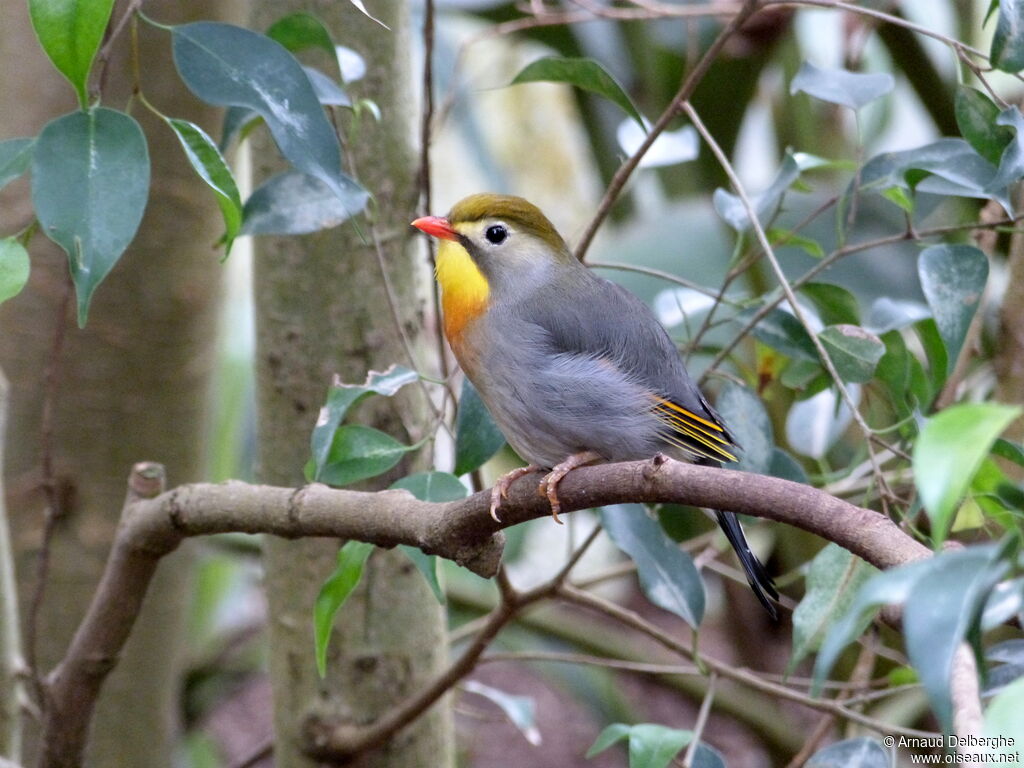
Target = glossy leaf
(300,30)
(749,424)
(333,594)
(327,91)
(948,452)
(1011,162)
(226,66)
(891,587)
(814,425)
(669,148)
(838,86)
(887,314)
(851,753)
(341,397)
(428,567)
(834,577)
(1009,450)
(15,158)
(14,268)
(668,576)
(586,74)
(609,735)
(1007,51)
(90,182)
(650,745)
(782,331)
(939,613)
(835,304)
(953,279)
(766,204)
(976,117)
(433,486)
(854,351)
(70,32)
(295,203)
(477,437)
(358,453)
(784,238)
(208,162)
(520,710)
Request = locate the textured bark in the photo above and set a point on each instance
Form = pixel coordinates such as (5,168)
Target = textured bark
(132,385)
(322,309)
(1009,346)
(11,689)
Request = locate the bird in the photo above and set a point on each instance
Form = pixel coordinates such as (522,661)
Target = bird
(573,368)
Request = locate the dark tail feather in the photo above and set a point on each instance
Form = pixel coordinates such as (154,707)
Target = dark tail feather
(757,576)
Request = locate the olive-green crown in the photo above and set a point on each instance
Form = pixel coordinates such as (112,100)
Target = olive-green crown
(514,210)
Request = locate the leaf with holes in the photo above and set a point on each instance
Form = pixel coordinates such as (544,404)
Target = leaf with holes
(90,182)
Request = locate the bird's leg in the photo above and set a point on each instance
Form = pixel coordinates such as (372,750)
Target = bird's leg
(500,489)
(550,483)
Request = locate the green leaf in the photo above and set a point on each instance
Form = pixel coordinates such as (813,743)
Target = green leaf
(90,181)
(834,577)
(766,204)
(70,32)
(208,162)
(786,467)
(901,197)
(851,753)
(14,268)
(358,453)
(892,314)
(938,361)
(780,330)
(520,710)
(783,238)
(294,203)
(1002,718)
(477,437)
(654,746)
(750,424)
(667,574)
(333,594)
(835,304)
(1007,51)
(854,351)
(610,735)
(226,65)
(838,86)
(976,118)
(427,565)
(1011,162)
(582,73)
(939,613)
(341,397)
(300,30)
(1008,450)
(15,158)
(891,587)
(949,451)
(953,278)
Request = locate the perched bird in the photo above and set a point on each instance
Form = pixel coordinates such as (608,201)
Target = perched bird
(573,368)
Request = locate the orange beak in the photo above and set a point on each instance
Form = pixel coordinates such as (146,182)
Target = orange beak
(436,226)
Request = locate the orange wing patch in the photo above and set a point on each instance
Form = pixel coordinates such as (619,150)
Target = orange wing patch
(692,433)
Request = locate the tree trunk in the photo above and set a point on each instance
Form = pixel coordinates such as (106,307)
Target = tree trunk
(133,385)
(322,309)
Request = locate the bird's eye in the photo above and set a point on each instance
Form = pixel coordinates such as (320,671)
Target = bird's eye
(496,234)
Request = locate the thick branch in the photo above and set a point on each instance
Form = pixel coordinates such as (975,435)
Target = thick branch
(154,525)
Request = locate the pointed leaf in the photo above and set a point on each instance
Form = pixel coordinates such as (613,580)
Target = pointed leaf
(341,397)
(851,753)
(654,746)
(766,204)
(333,594)
(953,278)
(300,30)
(976,117)
(14,268)
(611,734)
(749,424)
(427,565)
(70,32)
(582,73)
(1011,162)
(520,710)
(667,574)
(477,437)
(834,578)
(948,452)
(430,486)
(15,158)
(226,65)
(1007,51)
(939,613)
(294,203)
(854,351)
(835,304)
(358,5)
(780,330)
(208,162)
(90,181)
(358,453)
(838,86)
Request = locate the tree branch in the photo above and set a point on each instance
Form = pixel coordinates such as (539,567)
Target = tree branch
(154,523)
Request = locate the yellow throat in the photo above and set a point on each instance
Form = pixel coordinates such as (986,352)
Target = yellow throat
(464,289)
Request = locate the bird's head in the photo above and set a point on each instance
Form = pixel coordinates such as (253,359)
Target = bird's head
(490,246)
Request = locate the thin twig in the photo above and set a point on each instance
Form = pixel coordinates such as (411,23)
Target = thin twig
(689,85)
(103,57)
(702,721)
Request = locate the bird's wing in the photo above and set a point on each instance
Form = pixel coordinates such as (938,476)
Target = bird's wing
(604,320)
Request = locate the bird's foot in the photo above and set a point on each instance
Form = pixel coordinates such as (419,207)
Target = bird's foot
(500,489)
(549,486)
